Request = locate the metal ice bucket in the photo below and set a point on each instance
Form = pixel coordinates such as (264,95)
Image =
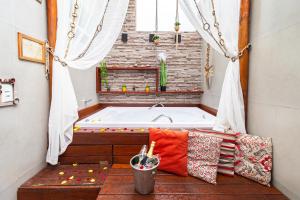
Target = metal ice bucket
(143,178)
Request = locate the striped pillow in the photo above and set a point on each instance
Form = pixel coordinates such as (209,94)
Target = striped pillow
(226,161)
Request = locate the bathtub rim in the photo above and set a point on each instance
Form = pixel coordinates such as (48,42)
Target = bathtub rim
(86,112)
(99,107)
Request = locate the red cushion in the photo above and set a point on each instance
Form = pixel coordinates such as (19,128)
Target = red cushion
(172,147)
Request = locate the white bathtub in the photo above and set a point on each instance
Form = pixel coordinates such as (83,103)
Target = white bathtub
(142,117)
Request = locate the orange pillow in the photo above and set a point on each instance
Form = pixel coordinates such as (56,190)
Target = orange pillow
(172,146)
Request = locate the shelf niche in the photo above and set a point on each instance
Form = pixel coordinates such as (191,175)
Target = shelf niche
(151,92)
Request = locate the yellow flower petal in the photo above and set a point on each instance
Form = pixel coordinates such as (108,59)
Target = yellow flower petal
(105,168)
(61,173)
(63,182)
(102,130)
(90,171)
(76,128)
(92,180)
(71,177)
(75,164)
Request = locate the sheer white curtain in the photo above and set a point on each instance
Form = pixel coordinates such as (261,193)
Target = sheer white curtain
(231,106)
(63,111)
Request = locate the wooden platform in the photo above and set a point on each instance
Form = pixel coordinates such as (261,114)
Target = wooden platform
(90,146)
(65,182)
(98,181)
(119,185)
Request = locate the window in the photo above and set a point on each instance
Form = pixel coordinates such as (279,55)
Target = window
(146,11)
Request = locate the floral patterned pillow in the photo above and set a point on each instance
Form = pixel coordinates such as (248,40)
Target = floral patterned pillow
(203,156)
(253,158)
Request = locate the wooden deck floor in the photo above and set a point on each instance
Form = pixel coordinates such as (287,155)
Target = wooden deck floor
(119,185)
(94,181)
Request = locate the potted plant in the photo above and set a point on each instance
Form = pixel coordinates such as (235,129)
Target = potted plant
(155,39)
(104,74)
(177,26)
(163,71)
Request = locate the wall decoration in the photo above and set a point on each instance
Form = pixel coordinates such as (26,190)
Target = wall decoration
(208,69)
(40,1)
(177,39)
(7,92)
(31,49)
(124,37)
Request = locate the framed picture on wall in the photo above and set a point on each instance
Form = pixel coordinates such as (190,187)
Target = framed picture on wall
(7,92)
(31,49)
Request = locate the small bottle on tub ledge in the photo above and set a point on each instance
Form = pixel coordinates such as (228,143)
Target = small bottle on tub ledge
(124,88)
(147,88)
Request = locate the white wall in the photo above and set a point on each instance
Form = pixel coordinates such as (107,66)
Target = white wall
(23,129)
(84,82)
(274,86)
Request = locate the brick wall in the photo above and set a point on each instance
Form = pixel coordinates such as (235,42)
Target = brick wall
(184,65)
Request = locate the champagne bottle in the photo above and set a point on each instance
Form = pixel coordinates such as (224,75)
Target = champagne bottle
(149,154)
(142,154)
(151,162)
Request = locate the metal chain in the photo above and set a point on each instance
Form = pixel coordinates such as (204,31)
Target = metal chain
(47,62)
(206,27)
(71,33)
(242,52)
(217,26)
(98,30)
(55,57)
(221,42)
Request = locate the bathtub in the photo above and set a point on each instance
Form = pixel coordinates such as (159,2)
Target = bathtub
(145,117)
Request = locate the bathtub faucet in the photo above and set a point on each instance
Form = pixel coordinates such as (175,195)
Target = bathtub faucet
(162,115)
(157,104)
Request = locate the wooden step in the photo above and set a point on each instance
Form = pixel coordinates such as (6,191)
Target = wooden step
(65,182)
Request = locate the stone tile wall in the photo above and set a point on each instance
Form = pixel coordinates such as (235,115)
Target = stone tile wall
(184,64)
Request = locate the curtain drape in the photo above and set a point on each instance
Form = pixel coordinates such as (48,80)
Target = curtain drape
(64,108)
(231,106)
